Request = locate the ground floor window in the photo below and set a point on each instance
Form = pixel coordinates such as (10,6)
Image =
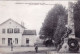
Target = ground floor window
(3,40)
(16,40)
(27,40)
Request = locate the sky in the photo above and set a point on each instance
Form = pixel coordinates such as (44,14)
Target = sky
(32,13)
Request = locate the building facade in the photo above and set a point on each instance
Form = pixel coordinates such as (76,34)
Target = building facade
(13,32)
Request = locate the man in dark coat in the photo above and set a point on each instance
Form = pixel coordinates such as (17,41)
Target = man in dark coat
(36,48)
(11,46)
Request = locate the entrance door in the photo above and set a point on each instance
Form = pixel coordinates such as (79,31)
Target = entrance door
(9,41)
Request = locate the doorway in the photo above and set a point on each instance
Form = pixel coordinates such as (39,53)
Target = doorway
(9,41)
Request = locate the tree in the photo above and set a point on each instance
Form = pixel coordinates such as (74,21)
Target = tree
(61,29)
(54,23)
(77,18)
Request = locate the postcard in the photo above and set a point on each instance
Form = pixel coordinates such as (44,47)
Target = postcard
(39,27)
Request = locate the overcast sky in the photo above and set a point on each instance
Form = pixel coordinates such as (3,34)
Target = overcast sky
(30,12)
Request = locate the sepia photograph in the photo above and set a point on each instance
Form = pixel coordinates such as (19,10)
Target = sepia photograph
(40,27)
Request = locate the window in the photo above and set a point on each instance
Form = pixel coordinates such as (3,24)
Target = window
(10,30)
(3,40)
(3,30)
(16,40)
(27,40)
(16,30)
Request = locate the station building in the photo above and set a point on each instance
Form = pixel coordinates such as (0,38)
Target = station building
(15,33)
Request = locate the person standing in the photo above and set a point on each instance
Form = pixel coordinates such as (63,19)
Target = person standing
(36,48)
(11,46)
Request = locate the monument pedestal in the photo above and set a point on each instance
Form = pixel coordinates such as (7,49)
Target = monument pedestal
(72,36)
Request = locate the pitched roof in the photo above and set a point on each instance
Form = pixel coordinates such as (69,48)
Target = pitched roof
(29,32)
(13,21)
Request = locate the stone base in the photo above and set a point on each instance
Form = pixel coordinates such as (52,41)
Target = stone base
(72,36)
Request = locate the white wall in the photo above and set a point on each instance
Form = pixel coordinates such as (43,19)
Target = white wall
(32,39)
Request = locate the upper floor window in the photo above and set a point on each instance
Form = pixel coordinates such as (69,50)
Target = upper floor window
(16,30)
(3,30)
(10,30)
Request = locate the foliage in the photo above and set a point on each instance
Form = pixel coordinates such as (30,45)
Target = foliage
(54,23)
(77,19)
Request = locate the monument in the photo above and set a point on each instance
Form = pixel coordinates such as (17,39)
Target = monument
(71,19)
(70,42)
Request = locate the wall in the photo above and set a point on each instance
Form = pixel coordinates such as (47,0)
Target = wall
(32,40)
